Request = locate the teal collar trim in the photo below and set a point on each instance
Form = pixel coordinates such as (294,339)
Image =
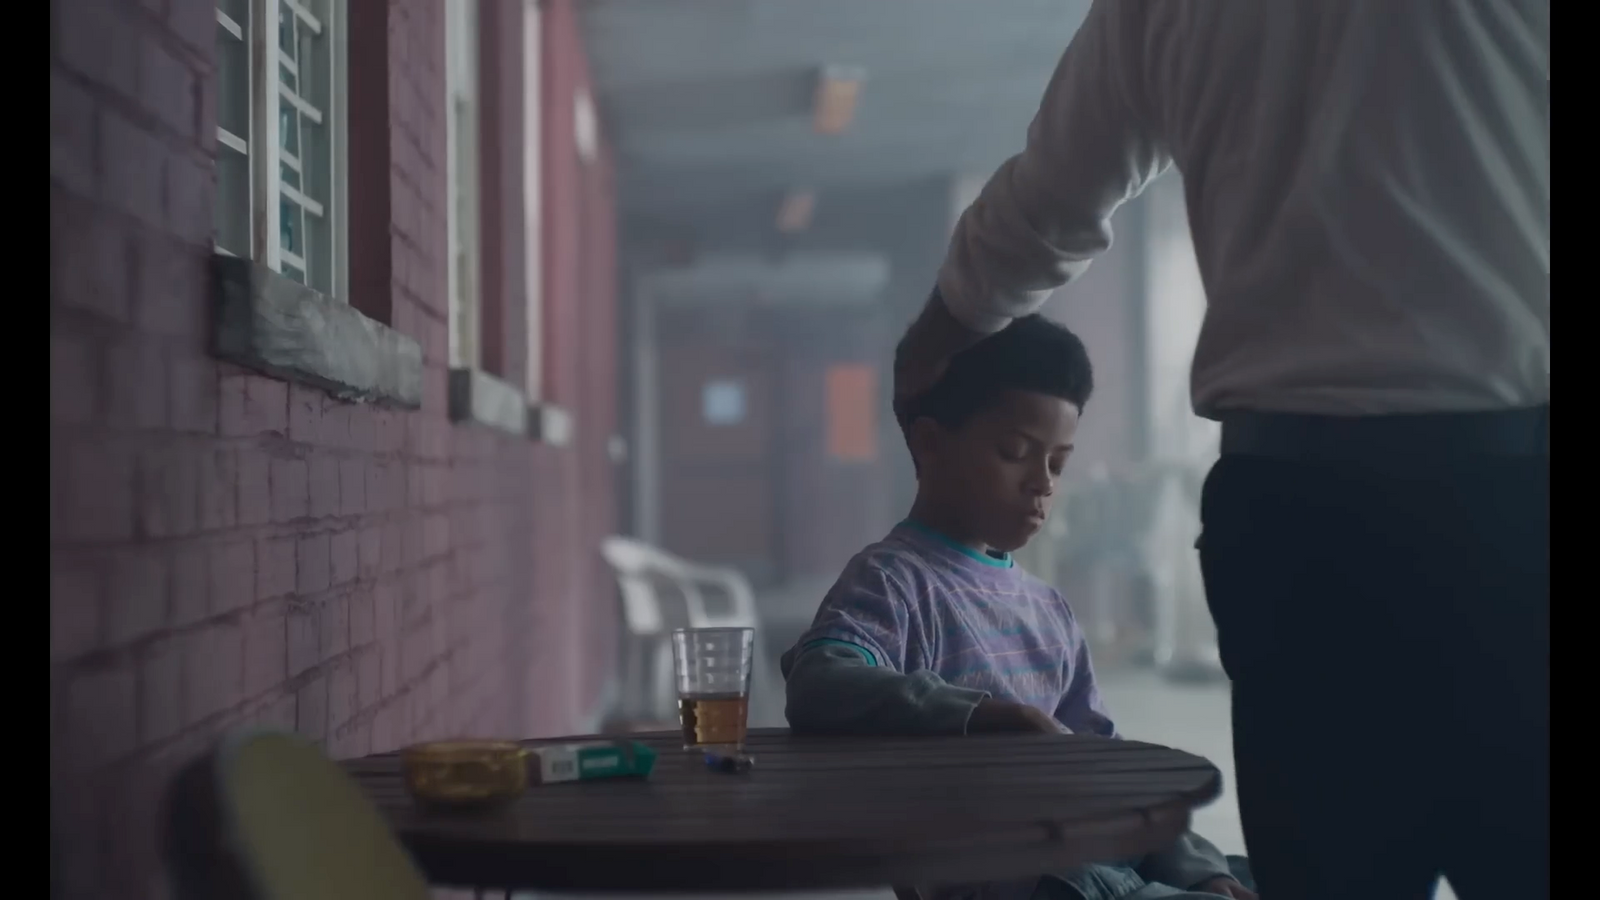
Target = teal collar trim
(1004,561)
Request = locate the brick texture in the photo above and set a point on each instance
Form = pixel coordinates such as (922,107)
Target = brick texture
(228,549)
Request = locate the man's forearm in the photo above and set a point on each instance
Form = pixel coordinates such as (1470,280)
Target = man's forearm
(998,266)
(833,690)
(1047,211)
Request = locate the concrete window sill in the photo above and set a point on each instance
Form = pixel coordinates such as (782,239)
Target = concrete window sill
(277,326)
(482,399)
(549,424)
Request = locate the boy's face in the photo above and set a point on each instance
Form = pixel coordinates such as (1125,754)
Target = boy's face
(998,471)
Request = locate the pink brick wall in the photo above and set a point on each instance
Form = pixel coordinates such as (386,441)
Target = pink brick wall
(227,548)
(579,371)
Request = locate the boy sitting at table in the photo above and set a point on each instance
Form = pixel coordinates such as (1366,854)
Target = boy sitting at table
(935,630)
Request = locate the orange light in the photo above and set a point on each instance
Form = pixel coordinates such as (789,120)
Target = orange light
(794,214)
(852,403)
(838,89)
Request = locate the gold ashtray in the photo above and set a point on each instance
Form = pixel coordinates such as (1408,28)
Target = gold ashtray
(465,773)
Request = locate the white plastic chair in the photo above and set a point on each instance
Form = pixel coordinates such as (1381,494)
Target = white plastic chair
(741,599)
(647,658)
(640,568)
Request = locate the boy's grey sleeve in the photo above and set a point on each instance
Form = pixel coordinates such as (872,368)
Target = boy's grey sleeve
(1190,862)
(834,689)
(1081,709)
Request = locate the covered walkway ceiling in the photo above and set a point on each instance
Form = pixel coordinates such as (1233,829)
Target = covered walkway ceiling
(710,102)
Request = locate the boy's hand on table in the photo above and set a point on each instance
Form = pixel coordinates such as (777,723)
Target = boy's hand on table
(1226,887)
(1004,717)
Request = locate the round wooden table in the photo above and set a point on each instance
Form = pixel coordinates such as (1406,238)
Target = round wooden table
(814,813)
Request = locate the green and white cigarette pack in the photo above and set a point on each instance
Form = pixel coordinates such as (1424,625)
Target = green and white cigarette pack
(555,763)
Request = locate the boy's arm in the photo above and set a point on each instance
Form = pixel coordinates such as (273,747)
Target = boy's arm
(848,673)
(832,687)
(1081,709)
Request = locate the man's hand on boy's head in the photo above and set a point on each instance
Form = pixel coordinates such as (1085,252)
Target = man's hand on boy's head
(992,716)
(925,351)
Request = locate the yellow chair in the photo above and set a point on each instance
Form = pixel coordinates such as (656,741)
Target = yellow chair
(266,816)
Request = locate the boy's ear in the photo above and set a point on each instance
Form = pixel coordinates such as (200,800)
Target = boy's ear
(924,436)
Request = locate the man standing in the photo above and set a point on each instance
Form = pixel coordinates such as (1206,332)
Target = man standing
(1368,186)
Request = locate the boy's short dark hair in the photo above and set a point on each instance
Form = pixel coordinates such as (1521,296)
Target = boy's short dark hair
(1031,354)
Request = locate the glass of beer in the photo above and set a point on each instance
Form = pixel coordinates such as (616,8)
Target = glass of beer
(712,667)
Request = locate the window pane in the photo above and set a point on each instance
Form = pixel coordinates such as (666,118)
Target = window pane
(531,110)
(319,254)
(461,62)
(316,178)
(314,160)
(286,32)
(232,202)
(233,83)
(464,322)
(288,126)
(313,57)
(306,73)
(290,230)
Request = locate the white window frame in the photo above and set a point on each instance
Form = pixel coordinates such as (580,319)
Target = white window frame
(585,126)
(268,98)
(464,212)
(533,192)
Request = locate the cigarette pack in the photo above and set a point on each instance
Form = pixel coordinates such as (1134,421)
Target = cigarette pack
(554,763)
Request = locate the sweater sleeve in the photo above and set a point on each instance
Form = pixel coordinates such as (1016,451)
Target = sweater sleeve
(1081,710)
(1047,212)
(860,668)
(832,689)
